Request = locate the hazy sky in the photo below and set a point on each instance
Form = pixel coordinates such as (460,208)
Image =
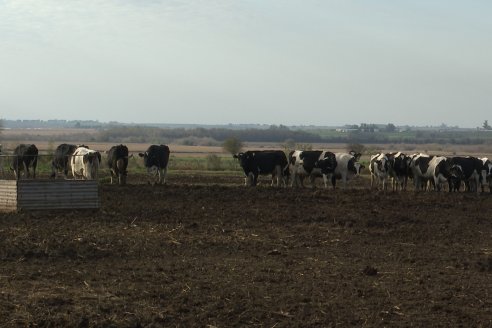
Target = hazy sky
(321,62)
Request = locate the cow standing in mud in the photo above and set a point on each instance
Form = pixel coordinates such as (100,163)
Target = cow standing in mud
(85,163)
(156,159)
(25,156)
(468,170)
(312,164)
(379,167)
(264,162)
(434,170)
(118,163)
(61,160)
(347,167)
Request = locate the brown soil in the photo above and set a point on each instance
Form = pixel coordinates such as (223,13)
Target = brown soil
(207,251)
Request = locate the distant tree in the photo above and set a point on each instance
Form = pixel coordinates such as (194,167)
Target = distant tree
(213,162)
(289,145)
(357,147)
(305,146)
(390,127)
(486,125)
(232,145)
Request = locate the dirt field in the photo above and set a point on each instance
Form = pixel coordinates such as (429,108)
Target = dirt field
(205,251)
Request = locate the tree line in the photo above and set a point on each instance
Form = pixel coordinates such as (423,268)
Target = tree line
(276,134)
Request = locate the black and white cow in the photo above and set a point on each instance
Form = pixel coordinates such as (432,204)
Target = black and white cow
(347,167)
(85,163)
(118,163)
(379,167)
(465,169)
(61,160)
(486,173)
(264,162)
(24,157)
(156,159)
(310,163)
(432,169)
(399,170)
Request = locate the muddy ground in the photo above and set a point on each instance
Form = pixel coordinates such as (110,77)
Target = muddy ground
(206,251)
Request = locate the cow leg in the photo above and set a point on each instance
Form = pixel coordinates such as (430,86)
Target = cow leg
(325,180)
(163,175)
(312,179)
(276,175)
(344,180)
(34,165)
(65,172)
(333,181)
(121,178)
(295,179)
(250,179)
(26,170)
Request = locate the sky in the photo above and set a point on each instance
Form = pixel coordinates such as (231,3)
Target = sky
(309,62)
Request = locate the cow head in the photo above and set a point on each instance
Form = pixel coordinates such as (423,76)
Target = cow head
(444,168)
(401,163)
(246,161)
(238,156)
(328,163)
(145,157)
(355,154)
(355,167)
(382,164)
(91,162)
(456,171)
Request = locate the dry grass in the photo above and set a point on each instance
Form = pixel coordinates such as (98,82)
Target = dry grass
(201,151)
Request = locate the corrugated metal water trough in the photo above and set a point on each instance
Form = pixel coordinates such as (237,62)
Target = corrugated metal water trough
(23,195)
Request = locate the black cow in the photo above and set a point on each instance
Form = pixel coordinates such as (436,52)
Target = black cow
(118,163)
(468,170)
(24,157)
(156,159)
(312,164)
(256,162)
(61,159)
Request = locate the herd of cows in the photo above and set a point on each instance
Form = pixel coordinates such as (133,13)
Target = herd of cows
(84,163)
(426,171)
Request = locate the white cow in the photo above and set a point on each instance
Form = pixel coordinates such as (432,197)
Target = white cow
(379,166)
(347,167)
(85,163)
